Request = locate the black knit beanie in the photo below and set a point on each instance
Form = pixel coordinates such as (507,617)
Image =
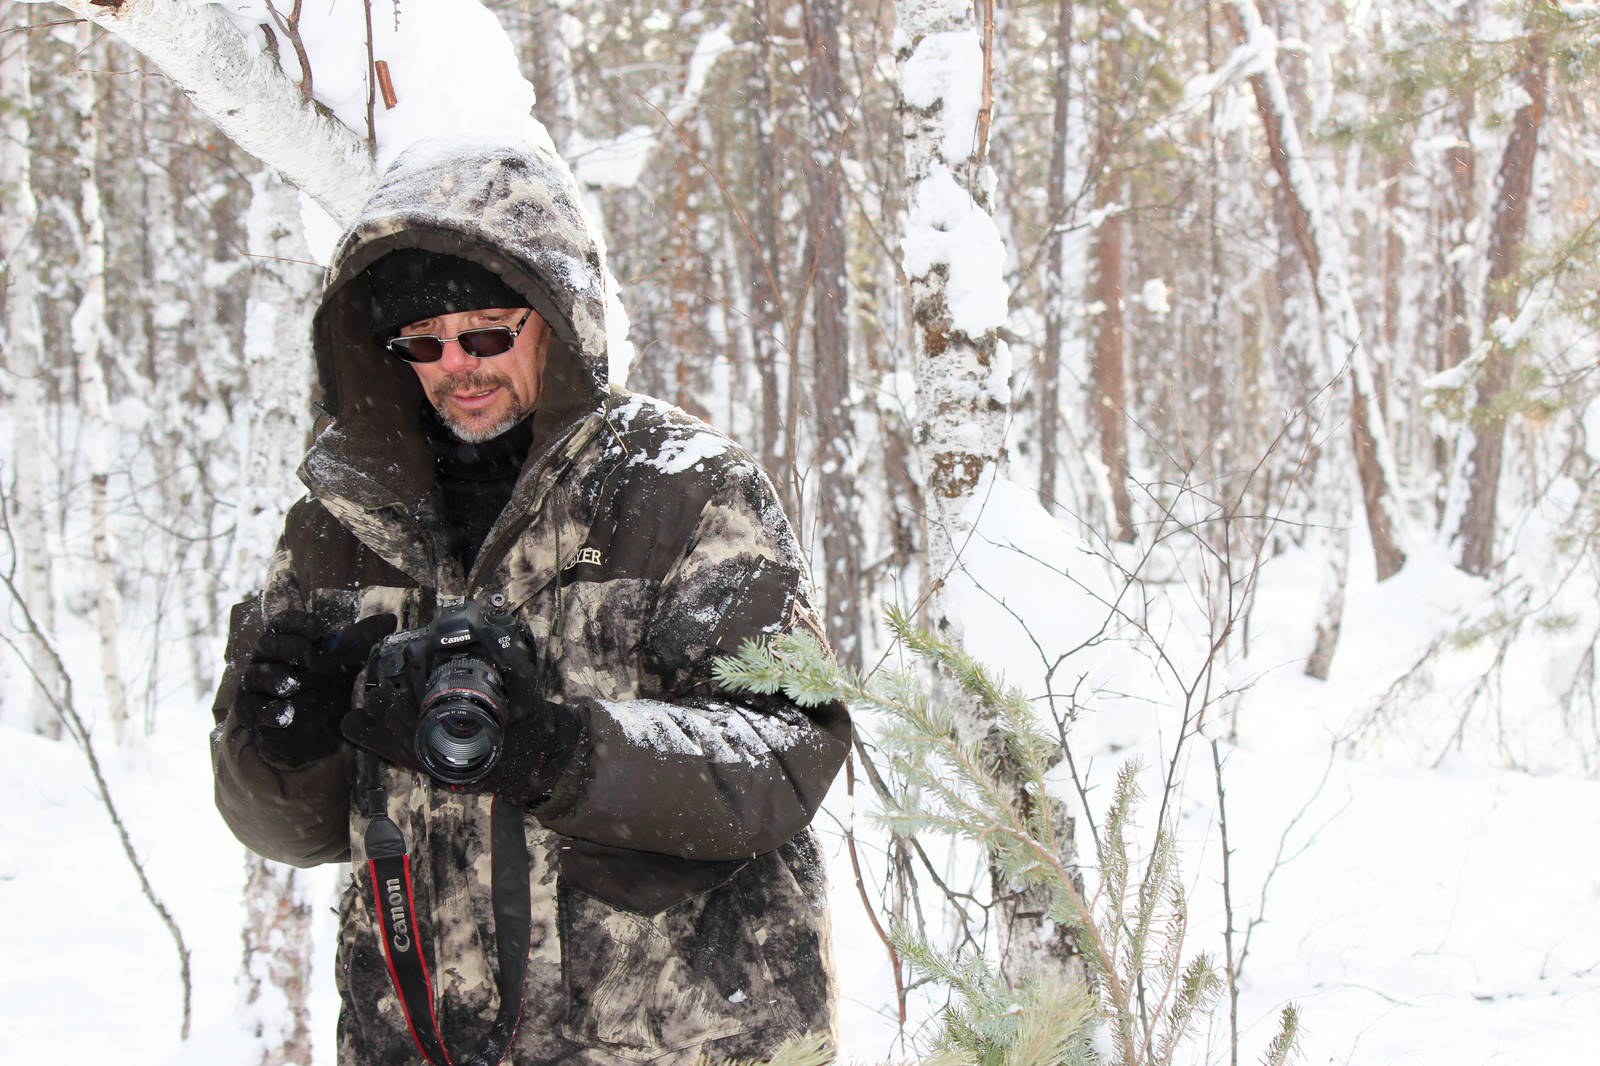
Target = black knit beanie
(411,285)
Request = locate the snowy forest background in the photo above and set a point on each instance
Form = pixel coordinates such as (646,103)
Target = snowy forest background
(1271,464)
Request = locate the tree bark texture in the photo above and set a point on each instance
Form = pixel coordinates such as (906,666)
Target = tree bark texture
(1323,250)
(1108,393)
(88,330)
(763,265)
(1055,305)
(245,93)
(1506,233)
(960,417)
(277,962)
(830,334)
(1460,208)
(24,357)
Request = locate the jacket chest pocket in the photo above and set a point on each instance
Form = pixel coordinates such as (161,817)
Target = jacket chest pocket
(642,987)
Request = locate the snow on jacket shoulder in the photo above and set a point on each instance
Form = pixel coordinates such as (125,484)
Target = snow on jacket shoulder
(678,896)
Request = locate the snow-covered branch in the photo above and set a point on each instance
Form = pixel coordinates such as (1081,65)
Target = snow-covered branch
(245,92)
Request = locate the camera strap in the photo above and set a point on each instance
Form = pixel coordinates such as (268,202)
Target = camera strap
(396,908)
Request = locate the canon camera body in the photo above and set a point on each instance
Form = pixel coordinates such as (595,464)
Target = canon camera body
(457,672)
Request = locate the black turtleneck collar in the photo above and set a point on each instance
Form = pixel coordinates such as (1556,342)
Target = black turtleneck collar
(477,479)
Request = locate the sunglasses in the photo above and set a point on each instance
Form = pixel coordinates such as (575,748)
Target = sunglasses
(484,343)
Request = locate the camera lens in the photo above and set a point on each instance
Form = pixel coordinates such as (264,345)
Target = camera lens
(460,732)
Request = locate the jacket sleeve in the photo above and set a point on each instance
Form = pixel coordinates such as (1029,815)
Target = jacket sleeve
(297,815)
(702,773)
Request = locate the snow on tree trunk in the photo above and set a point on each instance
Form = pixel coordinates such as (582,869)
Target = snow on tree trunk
(955,261)
(245,92)
(88,330)
(277,334)
(1323,248)
(1506,234)
(24,361)
(830,334)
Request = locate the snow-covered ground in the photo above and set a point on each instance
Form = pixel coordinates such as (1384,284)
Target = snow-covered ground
(1430,916)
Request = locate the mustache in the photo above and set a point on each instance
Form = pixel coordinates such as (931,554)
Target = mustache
(480,379)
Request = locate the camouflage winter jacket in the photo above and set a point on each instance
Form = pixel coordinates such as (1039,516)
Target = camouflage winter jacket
(678,897)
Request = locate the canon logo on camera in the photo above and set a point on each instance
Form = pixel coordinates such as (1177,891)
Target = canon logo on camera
(455,638)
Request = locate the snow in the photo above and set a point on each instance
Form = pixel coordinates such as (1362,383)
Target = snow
(945,226)
(611,162)
(948,67)
(1426,916)
(719,734)
(681,454)
(453,68)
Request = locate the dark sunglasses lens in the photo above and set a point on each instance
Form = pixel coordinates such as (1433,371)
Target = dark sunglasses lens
(488,342)
(421,349)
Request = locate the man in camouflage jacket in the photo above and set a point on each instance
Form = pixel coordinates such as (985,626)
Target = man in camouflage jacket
(677,896)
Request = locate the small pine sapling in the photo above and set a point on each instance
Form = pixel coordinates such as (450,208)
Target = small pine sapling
(1130,931)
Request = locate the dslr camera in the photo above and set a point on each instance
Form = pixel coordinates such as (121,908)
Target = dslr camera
(457,673)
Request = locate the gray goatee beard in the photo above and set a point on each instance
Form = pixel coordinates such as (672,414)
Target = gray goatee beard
(476,381)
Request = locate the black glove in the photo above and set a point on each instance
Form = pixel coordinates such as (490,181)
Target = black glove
(297,684)
(539,741)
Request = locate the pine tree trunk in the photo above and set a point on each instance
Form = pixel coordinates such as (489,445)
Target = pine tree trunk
(1107,395)
(24,362)
(1055,300)
(1460,208)
(830,335)
(763,264)
(1506,235)
(1322,248)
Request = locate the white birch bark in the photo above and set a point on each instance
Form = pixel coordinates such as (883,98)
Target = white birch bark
(955,261)
(245,93)
(277,359)
(88,330)
(24,362)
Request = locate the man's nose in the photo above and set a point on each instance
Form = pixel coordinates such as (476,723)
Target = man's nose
(456,359)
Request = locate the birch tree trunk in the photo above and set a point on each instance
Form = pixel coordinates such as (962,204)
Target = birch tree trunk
(830,334)
(88,331)
(282,295)
(955,262)
(24,361)
(1510,224)
(243,91)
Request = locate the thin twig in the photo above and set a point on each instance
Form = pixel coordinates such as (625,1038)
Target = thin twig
(67,708)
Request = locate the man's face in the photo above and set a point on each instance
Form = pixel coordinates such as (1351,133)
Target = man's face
(482,398)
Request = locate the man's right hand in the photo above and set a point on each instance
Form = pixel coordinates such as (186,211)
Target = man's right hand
(297,684)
